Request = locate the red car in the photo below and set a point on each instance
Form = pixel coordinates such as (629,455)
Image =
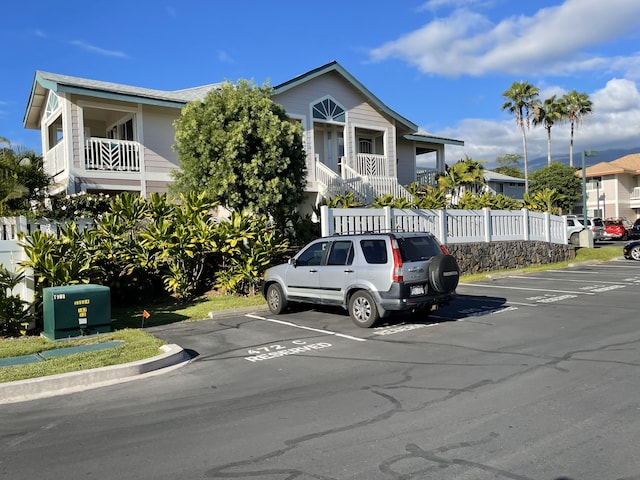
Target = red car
(617,229)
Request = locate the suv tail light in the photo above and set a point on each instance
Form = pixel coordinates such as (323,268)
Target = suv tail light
(397,261)
(444,249)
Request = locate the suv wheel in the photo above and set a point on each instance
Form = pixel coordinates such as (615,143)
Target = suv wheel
(443,273)
(363,309)
(275,299)
(635,252)
(575,238)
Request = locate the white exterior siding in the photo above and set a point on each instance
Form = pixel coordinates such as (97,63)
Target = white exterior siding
(406,162)
(299,101)
(159,138)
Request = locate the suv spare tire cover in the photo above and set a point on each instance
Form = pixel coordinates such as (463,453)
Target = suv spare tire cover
(444,273)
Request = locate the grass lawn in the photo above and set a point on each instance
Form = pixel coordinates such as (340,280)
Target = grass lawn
(127,325)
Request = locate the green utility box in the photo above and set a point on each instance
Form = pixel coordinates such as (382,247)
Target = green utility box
(75,310)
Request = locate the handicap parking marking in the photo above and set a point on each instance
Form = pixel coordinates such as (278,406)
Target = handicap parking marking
(294,325)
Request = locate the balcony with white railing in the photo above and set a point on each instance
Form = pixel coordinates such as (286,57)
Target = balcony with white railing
(105,154)
(54,160)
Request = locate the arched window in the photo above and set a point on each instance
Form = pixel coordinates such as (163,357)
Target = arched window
(328,110)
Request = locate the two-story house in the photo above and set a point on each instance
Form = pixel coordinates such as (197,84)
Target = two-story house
(613,188)
(106,137)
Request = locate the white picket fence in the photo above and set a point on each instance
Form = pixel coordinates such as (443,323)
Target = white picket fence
(449,226)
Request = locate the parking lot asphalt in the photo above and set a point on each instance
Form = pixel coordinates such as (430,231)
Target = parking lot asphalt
(172,356)
(498,294)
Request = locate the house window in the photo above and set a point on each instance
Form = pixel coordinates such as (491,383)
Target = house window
(328,110)
(366,145)
(122,131)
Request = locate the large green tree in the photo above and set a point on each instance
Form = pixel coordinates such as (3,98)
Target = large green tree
(240,147)
(520,98)
(550,112)
(509,164)
(577,105)
(560,178)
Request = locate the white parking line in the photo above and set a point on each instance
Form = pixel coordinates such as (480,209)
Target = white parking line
(569,280)
(524,288)
(327,332)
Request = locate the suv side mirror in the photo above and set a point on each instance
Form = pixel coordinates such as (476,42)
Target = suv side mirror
(292,261)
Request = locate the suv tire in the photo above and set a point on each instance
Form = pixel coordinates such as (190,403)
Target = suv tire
(575,238)
(443,273)
(363,310)
(275,299)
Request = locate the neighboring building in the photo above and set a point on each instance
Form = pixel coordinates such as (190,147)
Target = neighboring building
(106,137)
(497,183)
(613,188)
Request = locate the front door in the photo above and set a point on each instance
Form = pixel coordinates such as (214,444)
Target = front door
(330,145)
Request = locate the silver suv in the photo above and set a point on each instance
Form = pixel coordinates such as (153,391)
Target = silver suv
(595,224)
(370,275)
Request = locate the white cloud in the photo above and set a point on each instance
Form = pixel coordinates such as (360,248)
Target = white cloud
(224,57)
(619,95)
(554,40)
(100,51)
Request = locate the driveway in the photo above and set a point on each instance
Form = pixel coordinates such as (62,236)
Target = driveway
(522,377)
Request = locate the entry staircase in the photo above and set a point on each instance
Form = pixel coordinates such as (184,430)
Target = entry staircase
(365,188)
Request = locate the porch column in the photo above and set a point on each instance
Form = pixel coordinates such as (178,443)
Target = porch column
(440,165)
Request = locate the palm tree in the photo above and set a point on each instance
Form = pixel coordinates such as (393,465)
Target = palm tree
(521,98)
(577,106)
(551,111)
(461,176)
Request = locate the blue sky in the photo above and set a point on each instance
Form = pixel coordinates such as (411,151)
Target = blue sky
(443,64)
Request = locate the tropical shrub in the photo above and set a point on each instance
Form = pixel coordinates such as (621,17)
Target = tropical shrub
(13,310)
(249,245)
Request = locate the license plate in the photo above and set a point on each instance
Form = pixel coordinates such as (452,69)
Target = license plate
(417,290)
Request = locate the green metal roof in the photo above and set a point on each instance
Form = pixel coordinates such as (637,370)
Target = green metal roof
(45,81)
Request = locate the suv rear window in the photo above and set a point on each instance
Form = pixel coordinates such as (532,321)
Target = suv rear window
(375,251)
(416,249)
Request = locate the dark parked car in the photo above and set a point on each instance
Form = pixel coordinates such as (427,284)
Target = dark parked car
(634,231)
(631,250)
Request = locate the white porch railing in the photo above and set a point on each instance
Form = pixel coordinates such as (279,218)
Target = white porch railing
(112,155)
(427,176)
(369,186)
(54,160)
(369,164)
(330,182)
(364,187)
(449,226)
(635,194)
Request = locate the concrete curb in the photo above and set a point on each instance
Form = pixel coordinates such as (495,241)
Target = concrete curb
(64,383)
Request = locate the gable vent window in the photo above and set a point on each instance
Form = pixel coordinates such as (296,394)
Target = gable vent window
(52,104)
(328,110)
